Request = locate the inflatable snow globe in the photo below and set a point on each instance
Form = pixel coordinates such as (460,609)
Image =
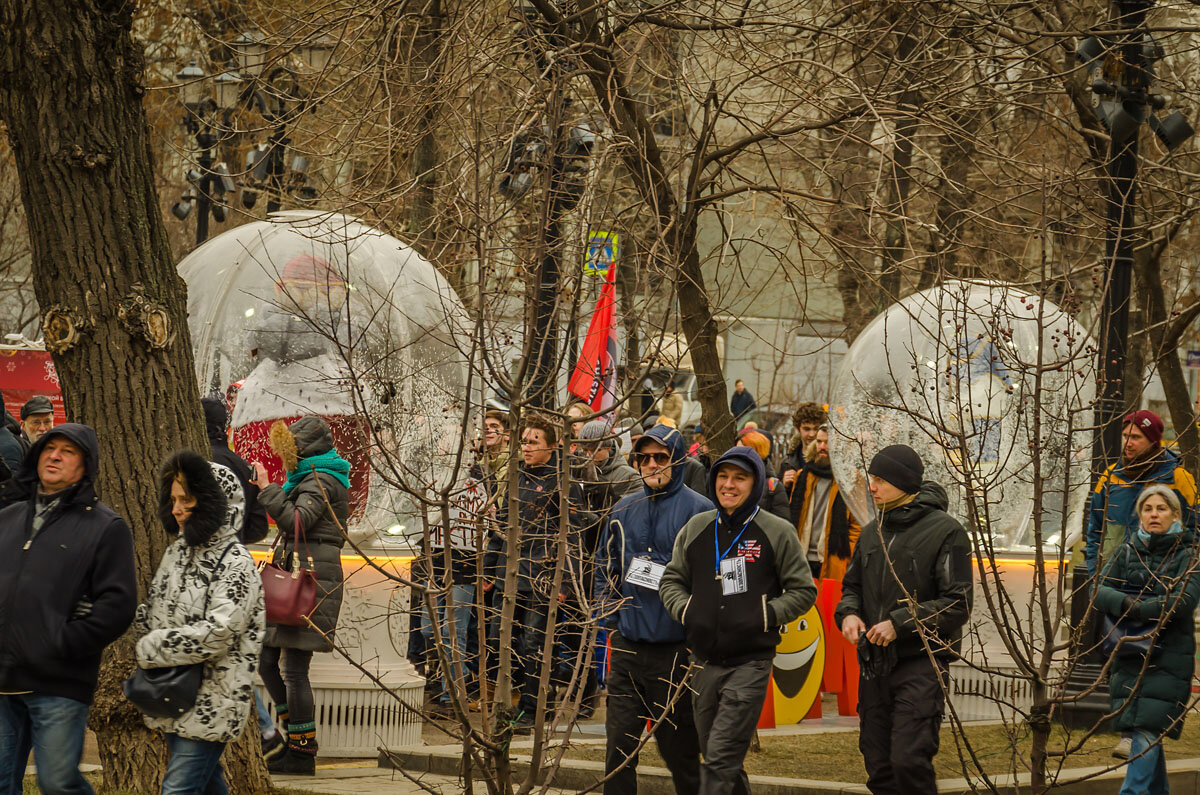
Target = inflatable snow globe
(318,313)
(993,387)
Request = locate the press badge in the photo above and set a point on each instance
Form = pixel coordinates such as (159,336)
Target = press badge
(733,576)
(645,572)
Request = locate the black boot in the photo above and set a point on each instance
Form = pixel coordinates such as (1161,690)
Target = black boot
(293,762)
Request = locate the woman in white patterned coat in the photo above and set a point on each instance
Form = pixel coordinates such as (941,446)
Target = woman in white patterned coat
(205,606)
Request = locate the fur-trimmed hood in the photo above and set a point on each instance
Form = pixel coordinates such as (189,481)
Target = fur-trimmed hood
(220,502)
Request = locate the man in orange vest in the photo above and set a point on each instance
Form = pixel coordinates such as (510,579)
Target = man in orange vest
(828,531)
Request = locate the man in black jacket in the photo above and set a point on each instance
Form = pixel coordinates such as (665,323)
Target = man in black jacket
(68,588)
(536,512)
(216,421)
(736,576)
(905,598)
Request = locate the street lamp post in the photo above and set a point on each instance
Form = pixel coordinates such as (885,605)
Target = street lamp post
(209,119)
(1122,66)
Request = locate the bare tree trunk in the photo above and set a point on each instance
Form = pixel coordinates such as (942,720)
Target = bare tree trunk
(113,308)
(849,221)
(954,196)
(1148,271)
(427,69)
(899,186)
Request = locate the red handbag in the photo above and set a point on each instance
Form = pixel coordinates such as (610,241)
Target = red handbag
(290,596)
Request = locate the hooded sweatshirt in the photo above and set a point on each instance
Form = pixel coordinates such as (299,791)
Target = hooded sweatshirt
(205,604)
(81,551)
(735,628)
(645,525)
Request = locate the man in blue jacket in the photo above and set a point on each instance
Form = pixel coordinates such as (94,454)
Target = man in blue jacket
(68,588)
(1112,518)
(649,657)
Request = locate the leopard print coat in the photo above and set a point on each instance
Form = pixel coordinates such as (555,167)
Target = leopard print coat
(227,636)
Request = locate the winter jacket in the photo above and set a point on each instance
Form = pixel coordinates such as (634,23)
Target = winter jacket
(775,498)
(1159,574)
(672,406)
(741,404)
(931,557)
(695,476)
(602,486)
(841,528)
(205,605)
(1112,518)
(254,528)
(12,448)
(83,551)
(323,504)
(738,628)
(537,510)
(645,525)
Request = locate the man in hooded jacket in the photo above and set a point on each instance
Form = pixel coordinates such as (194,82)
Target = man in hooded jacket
(1112,519)
(905,598)
(648,648)
(736,576)
(68,588)
(216,422)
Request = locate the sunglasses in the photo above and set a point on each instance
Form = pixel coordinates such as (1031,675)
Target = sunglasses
(662,459)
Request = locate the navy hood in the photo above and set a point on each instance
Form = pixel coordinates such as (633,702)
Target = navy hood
(745,458)
(671,439)
(83,437)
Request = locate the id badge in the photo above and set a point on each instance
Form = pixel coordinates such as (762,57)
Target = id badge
(645,572)
(733,576)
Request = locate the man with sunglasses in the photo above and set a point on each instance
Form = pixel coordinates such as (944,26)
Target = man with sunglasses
(649,657)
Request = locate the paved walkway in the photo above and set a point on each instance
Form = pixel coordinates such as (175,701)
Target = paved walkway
(366,779)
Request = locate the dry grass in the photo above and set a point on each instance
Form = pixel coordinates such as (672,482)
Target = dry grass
(835,756)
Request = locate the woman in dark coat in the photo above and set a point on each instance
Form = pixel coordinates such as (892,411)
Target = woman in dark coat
(1151,582)
(317,491)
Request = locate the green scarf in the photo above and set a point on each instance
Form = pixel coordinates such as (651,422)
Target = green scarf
(328,462)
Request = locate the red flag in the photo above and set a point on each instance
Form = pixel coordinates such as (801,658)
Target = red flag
(595,378)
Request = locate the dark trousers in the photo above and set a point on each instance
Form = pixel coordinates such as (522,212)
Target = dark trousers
(530,617)
(728,702)
(900,715)
(641,680)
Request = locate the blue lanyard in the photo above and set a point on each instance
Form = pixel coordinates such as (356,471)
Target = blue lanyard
(717,544)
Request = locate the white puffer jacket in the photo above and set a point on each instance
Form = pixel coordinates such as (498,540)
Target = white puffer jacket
(227,636)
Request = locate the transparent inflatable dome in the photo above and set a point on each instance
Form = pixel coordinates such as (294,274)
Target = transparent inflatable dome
(313,313)
(972,376)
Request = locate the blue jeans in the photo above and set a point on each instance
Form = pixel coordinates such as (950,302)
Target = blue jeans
(266,724)
(194,767)
(1146,774)
(460,603)
(52,727)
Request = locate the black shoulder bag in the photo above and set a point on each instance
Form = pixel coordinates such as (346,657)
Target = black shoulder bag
(171,691)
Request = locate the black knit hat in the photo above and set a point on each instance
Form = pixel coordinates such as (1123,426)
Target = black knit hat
(899,465)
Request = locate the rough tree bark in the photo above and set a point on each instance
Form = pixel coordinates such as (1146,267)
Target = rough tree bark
(114,310)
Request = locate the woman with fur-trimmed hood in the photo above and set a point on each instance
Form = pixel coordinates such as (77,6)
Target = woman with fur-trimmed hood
(205,605)
(317,492)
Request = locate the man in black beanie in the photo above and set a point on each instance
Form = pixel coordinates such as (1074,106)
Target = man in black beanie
(905,598)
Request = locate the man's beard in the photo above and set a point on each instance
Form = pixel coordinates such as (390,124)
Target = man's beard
(822,460)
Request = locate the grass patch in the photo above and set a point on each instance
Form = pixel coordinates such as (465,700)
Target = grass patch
(835,756)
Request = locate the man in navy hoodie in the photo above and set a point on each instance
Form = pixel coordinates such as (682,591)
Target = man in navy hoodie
(649,658)
(737,574)
(67,589)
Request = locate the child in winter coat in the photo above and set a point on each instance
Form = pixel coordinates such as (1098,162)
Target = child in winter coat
(204,606)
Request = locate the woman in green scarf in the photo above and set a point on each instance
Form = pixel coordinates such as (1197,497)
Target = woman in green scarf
(317,494)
